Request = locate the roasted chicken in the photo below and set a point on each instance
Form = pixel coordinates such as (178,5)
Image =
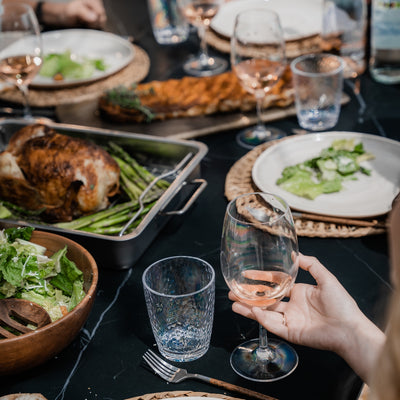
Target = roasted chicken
(66,176)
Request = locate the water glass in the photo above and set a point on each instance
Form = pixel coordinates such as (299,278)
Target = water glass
(169,25)
(318,84)
(344,26)
(180,296)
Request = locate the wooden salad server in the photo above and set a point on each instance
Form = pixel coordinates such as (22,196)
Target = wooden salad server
(17,314)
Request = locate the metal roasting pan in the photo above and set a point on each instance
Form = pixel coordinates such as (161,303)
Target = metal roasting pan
(157,154)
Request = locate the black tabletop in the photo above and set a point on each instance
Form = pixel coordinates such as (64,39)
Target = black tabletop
(104,362)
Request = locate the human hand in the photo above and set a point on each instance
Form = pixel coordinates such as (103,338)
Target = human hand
(319,316)
(90,13)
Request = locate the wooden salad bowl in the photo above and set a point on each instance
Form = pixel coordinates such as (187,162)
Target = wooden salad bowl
(32,349)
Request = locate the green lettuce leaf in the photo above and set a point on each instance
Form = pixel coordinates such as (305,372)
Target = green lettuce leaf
(20,232)
(325,173)
(69,273)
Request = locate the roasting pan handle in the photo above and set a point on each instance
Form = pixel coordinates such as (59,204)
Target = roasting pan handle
(202,185)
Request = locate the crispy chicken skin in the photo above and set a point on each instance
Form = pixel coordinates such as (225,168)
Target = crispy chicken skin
(68,176)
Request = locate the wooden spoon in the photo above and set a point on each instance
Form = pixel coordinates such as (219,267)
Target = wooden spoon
(17,314)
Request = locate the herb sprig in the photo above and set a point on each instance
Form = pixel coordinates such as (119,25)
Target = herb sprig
(129,97)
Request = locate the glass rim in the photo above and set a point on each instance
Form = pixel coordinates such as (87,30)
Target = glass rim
(176,296)
(279,198)
(295,70)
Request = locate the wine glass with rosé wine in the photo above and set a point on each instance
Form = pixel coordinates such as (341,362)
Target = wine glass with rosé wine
(199,13)
(20,48)
(259,262)
(258,59)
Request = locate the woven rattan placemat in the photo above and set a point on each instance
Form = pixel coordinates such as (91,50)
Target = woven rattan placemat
(134,72)
(294,48)
(181,393)
(239,181)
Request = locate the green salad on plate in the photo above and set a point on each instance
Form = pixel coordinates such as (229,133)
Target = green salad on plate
(60,66)
(326,172)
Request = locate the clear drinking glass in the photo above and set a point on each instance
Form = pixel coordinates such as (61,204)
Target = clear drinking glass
(318,87)
(20,47)
(259,261)
(200,13)
(344,27)
(180,296)
(258,60)
(169,25)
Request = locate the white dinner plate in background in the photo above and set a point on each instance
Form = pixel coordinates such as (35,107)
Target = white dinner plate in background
(299,18)
(115,51)
(368,196)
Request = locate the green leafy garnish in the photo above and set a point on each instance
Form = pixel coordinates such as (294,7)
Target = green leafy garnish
(128,97)
(325,173)
(63,66)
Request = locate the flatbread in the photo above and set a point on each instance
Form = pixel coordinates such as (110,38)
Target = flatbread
(194,96)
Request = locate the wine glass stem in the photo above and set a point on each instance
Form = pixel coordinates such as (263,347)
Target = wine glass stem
(263,351)
(259,104)
(204,57)
(27,108)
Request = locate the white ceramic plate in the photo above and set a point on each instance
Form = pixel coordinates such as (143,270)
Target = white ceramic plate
(367,196)
(114,50)
(299,19)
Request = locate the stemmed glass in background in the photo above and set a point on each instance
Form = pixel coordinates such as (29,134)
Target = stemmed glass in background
(20,48)
(344,26)
(259,261)
(200,13)
(258,59)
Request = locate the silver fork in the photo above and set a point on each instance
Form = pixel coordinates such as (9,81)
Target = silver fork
(170,373)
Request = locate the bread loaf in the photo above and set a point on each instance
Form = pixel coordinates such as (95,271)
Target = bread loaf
(23,396)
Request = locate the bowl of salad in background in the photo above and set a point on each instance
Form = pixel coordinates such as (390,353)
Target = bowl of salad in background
(32,349)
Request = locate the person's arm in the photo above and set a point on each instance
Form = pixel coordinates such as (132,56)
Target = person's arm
(323,316)
(88,13)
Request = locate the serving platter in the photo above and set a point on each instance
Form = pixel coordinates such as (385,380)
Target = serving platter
(156,154)
(115,51)
(299,19)
(368,196)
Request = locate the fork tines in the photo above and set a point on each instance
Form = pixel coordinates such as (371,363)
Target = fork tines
(159,366)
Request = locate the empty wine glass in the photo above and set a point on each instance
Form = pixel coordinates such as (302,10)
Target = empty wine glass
(259,261)
(20,47)
(200,13)
(258,60)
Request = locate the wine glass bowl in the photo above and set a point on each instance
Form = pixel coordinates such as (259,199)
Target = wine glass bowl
(259,262)
(20,47)
(258,59)
(199,13)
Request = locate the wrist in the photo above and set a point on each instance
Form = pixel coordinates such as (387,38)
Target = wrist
(50,14)
(360,345)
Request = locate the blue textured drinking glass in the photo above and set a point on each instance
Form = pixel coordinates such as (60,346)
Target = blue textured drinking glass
(180,297)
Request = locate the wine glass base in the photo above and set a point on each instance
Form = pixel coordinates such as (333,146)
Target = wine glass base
(245,362)
(254,136)
(197,66)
